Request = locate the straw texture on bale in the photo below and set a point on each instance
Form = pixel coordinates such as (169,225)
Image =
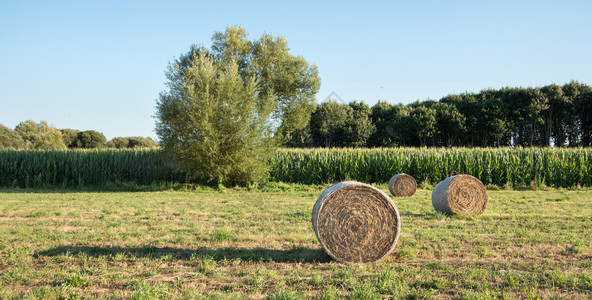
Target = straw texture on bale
(402,185)
(356,222)
(460,195)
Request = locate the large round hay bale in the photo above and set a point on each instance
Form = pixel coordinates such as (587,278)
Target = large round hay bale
(402,185)
(460,195)
(356,222)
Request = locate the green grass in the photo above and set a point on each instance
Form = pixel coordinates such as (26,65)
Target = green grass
(239,243)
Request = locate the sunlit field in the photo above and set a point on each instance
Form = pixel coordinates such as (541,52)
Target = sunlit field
(238,243)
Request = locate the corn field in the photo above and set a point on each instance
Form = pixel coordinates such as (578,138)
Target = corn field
(497,166)
(33,168)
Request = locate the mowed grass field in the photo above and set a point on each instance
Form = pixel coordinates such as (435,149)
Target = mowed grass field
(238,243)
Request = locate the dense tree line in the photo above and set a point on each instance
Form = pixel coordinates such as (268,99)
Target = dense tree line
(552,115)
(41,136)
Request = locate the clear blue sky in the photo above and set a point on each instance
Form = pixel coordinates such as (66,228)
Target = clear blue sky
(100,64)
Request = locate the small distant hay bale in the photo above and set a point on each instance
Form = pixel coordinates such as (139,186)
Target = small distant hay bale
(356,222)
(402,185)
(460,195)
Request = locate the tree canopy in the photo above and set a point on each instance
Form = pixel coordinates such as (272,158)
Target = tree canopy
(551,115)
(287,78)
(40,136)
(10,139)
(226,106)
(90,139)
(132,142)
(279,75)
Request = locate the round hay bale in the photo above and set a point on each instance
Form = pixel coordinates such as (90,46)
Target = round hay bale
(402,185)
(356,222)
(460,195)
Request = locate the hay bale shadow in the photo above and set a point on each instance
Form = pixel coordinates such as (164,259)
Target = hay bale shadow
(297,254)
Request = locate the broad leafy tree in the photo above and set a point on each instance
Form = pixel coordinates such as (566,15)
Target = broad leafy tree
(141,142)
(10,139)
(288,79)
(70,136)
(226,106)
(214,120)
(583,105)
(497,126)
(424,124)
(358,126)
(471,108)
(392,126)
(118,143)
(328,123)
(133,142)
(554,115)
(334,124)
(300,138)
(450,123)
(384,124)
(573,130)
(40,136)
(89,139)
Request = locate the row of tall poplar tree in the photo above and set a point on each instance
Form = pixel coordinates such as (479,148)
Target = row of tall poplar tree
(552,115)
